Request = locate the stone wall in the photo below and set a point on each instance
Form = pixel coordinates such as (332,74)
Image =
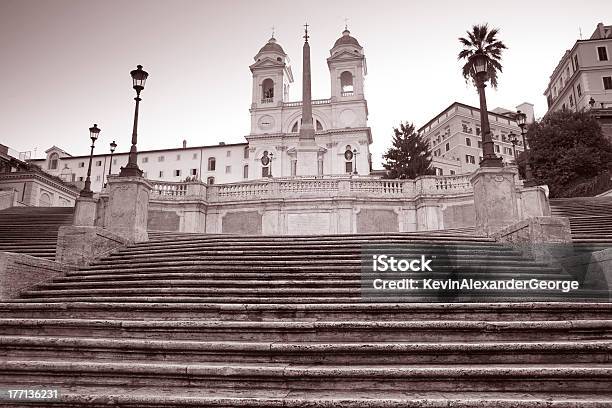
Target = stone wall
(242,222)
(80,245)
(160,220)
(377,220)
(19,272)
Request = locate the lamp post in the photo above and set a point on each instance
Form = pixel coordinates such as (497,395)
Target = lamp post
(113,146)
(139,77)
(94,131)
(479,69)
(354,161)
(271,160)
(592,102)
(514,140)
(521,120)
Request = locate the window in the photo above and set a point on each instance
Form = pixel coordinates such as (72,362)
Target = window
(144,174)
(97,178)
(447,147)
(114,161)
(228,153)
(348,167)
(267,91)
(602,53)
(178,157)
(81,164)
(160,158)
(294,129)
(210,180)
(265,171)
(346,83)
(607,82)
(245,171)
(468,141)
(193,172)
(195,156)
(145,159)
(439,171)
(470,159)
(480,144)
(98,163)
(452,172)
(177,173)
(245,153)
(161,174)
(576,66)
(464,127)
(579,90)
(497,149)
(571,100)
(53,160)
(212,163)
(81,178)
(228,169)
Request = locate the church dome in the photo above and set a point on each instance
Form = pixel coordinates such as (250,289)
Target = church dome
(346,39)
(272,46)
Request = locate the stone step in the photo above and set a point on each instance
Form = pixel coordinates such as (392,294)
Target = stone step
(430,331)
(498,311)
(490,377)
(304,352)
(246,280)
(181,397)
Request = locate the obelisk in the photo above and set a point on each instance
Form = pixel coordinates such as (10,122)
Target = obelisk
(307,150)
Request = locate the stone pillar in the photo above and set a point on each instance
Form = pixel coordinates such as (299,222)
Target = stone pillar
(307,159)
(533,202)
(128,207)
(85,210)
(494,198)
(428,215)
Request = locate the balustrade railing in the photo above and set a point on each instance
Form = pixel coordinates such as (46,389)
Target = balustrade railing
(289,187)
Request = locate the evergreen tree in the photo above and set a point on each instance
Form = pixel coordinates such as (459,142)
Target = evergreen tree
(409,157)
(566,148)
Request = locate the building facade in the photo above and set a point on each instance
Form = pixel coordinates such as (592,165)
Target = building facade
(340,144)
(583,75)
(455,138)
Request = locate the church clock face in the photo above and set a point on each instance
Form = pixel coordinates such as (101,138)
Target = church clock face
(266,122)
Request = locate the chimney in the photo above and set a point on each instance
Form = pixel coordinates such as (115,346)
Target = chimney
(184,144)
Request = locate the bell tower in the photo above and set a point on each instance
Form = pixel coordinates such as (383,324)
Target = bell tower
(347,68)
(272,76)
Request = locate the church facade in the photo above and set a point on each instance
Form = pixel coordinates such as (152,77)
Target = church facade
(324,137)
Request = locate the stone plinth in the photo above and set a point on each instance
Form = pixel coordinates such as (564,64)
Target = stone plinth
(20,272)
(128,206)
(80,245)
(85,211)
(494,198)
(545,239)
(307,159)
(533,202)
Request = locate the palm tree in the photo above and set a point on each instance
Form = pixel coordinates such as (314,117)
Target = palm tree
(483,41)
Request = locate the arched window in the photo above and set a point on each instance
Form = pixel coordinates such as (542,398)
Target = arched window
(319,126)
(346,83)
(212,164)
(53,160)
(245,171)
(246,152)
(44,200)
(294,129)
(210,180)
(267,91)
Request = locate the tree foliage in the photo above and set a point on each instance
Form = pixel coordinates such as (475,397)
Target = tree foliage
(566,149)
(409,156)
(481,40)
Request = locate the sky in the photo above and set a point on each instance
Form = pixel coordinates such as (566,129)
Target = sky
(65,64)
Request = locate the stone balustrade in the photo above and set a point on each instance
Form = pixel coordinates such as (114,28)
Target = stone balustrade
(332,186)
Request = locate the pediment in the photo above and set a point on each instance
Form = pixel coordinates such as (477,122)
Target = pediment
(267,63)
(345,55)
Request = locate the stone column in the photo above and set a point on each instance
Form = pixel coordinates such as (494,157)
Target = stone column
(494,198)
(128,207)
(85,212)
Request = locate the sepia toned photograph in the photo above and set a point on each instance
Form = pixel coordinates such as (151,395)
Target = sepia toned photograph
(294,204)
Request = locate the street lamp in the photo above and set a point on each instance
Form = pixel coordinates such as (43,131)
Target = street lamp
(521,120)
(592,102)
(514,140)
(271,159)
(479,71)
(354,161)
(139,77)
(113,146)
(94,131)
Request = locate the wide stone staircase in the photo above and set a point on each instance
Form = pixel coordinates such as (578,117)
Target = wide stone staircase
(230,321)
(32,230)
(590,221)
